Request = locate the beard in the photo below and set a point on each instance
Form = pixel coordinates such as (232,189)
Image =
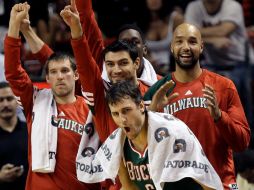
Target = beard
(186,66)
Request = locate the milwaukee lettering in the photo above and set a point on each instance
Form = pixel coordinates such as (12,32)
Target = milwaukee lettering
(70,125)
(193,102)
(186,164)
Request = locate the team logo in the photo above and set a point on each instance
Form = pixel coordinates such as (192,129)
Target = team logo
(89,129)
(233,186)
(113,135)
(168,117)
(54,121)
(88,152)
(179,146)
(160,134)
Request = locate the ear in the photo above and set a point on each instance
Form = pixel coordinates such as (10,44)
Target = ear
(142,106)
(201,47)
(76,75)
(145,50)
(171,48)
(47,78)
(137,63)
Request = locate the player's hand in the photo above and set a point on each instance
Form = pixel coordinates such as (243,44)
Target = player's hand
(212,103)
(71,18)
(160,98)
(19,13)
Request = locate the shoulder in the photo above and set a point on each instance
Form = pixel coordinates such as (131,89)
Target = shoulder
(218,80)
(152,90)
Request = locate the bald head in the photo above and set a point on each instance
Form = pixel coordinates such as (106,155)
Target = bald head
(187,28)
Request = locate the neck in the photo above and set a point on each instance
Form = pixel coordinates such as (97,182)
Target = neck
(184,75)
(140,142)
(66,99)
(141,67)
(10,124)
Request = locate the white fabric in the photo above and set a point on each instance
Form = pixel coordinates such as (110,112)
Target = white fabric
(2,75)
(167,162)
(148,76)
(44,134)
(88,146)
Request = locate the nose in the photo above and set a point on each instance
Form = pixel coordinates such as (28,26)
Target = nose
(117,69)
(59,75)
(123,119)
(186,45)
(5,102)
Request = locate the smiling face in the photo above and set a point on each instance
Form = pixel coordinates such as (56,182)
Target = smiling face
(61,78)
(129,116)
(186,46)
(8,104)
(119,66)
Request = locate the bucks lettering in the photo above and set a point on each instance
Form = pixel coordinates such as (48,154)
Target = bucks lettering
(182,104)
(68,125)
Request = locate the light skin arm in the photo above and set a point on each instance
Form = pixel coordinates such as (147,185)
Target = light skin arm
(160,98)
(222,30)
(34,42)
(218,42)
(71,18)
(212,103)
(19,13)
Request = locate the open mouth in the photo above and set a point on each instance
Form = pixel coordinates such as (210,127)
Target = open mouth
(127,129)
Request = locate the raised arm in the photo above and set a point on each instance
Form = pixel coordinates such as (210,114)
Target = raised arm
(89,72)
(15,74)
(91,29)
(40,50)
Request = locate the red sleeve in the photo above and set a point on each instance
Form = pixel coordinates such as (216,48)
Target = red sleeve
(91,30)
(233,123)
(93,88)
(19,81)
(44,53)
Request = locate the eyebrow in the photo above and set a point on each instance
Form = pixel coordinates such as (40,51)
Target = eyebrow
(123,59)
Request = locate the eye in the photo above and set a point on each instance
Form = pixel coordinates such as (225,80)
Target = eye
(193,42)
(126,110)
(178,41)
(114,114)
(52,71)
(65,70)
(125,62)
(109,64)
(10,98)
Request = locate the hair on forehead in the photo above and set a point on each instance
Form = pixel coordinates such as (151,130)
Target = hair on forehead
(123,90)
(4,84)
(121,45)
(61,56)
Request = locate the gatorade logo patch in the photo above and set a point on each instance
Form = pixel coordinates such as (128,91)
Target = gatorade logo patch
(233,186)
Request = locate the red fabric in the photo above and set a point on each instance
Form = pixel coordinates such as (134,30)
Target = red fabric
(230,133)
(64,176)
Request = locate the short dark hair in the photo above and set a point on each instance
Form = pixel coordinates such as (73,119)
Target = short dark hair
(122,90)
(133,26)
(4,84)
(121,45)
(57,56)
